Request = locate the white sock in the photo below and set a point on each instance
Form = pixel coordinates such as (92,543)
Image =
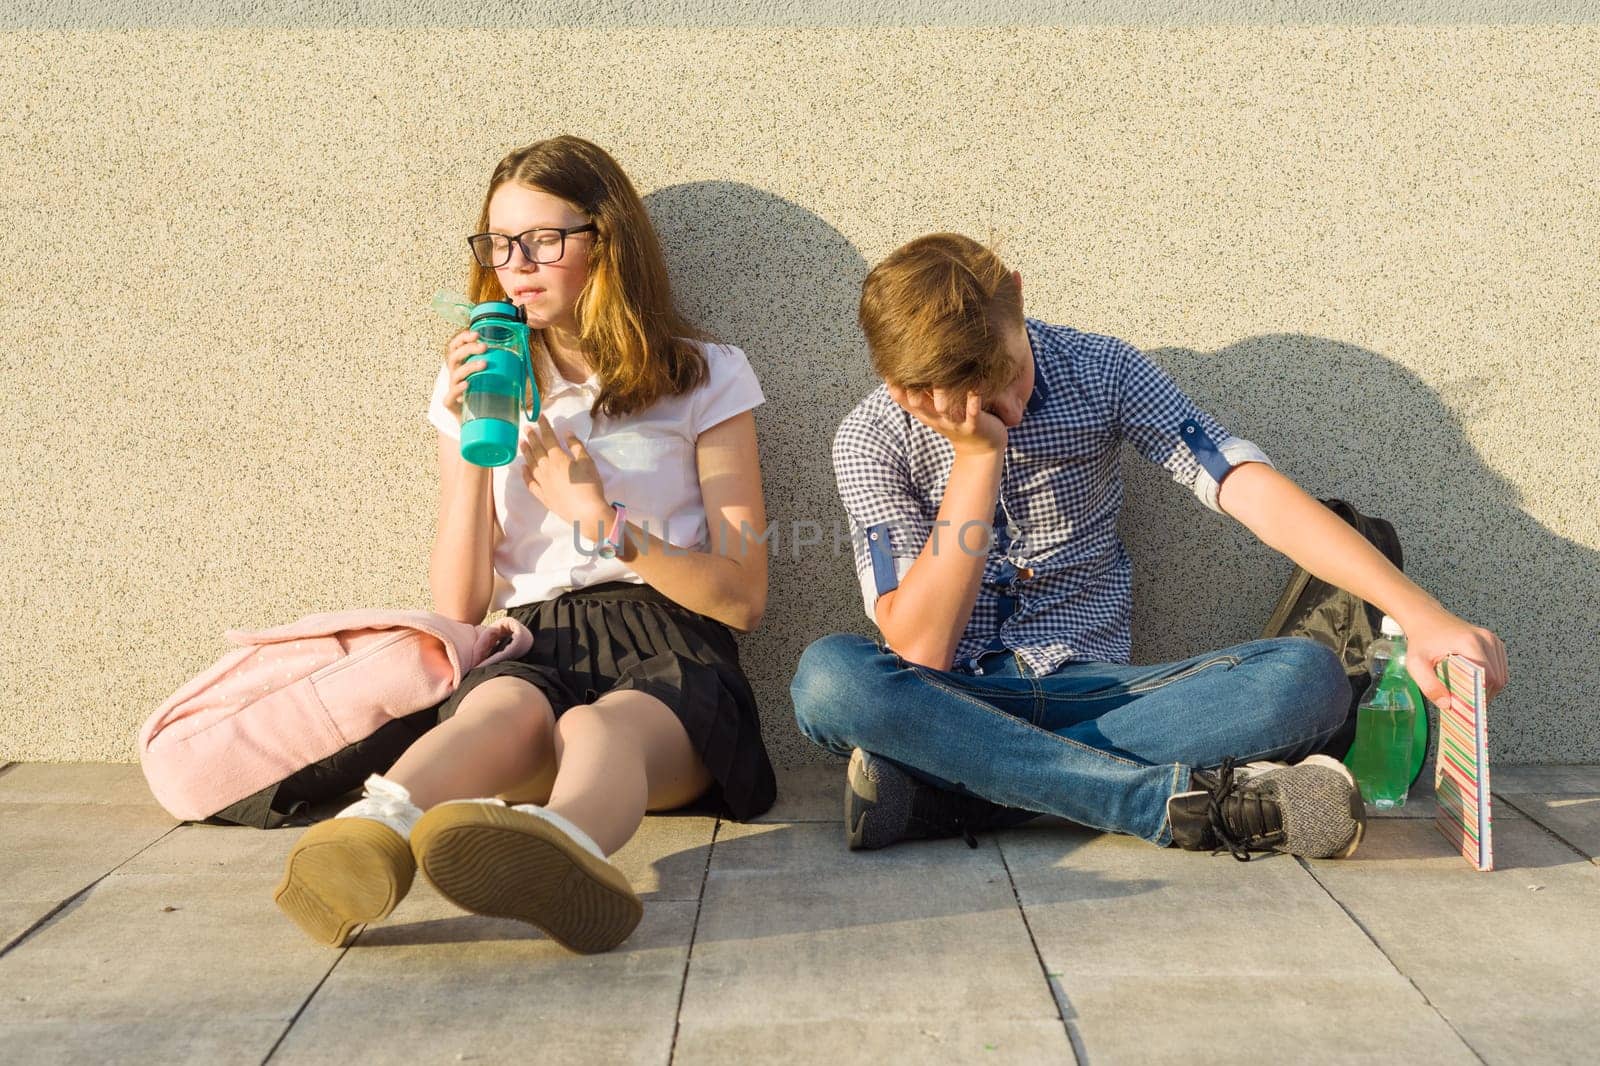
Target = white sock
(584,840)
(385,801)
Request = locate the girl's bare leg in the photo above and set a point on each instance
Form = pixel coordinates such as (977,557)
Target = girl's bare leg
(502,737)
(617,757)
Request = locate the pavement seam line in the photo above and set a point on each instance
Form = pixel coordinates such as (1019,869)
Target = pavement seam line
(287,1029)
(1509,802)
(1058,993)
(694,930)
(1374,940)
(14,943)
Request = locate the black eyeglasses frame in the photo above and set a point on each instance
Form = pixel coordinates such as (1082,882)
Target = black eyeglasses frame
(520,242)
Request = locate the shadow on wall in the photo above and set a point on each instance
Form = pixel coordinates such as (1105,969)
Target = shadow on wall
(781,283)
(1347,422)
(771,277)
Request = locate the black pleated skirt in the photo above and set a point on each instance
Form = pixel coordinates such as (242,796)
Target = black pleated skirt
(623,634)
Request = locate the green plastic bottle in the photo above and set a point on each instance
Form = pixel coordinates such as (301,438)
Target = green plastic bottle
(1381,757)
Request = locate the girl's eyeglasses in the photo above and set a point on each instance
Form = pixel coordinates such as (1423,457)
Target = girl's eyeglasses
(546,244)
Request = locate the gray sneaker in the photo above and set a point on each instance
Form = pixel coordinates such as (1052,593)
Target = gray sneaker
(884,805)
(1311,809)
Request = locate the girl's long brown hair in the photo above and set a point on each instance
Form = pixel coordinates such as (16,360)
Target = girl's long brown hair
(632,334)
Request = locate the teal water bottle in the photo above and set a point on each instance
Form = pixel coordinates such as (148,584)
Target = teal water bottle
(1382,755)
(493,402)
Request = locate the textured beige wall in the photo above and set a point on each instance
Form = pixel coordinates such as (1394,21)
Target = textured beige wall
(1369,249)
(596,14)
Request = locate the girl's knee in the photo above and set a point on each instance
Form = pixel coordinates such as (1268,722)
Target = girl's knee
(595,723)
(636,735)
(512,704)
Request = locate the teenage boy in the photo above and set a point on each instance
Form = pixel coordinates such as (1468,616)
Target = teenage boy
(982,484)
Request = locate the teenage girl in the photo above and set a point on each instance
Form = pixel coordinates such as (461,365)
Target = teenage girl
(627,536)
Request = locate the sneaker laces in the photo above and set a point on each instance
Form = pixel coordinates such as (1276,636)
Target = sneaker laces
(386,796)
(1227,784)
(384,801)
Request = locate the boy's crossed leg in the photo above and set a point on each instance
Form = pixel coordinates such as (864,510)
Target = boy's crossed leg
(1104,745)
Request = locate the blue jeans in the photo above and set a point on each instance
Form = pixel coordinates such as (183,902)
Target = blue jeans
(1101,744)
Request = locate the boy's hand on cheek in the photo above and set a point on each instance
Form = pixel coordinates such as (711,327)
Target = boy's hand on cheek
(974,431)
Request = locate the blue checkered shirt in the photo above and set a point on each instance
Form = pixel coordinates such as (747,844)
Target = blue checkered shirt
(1057,584)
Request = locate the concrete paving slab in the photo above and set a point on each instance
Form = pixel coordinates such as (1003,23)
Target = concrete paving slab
(1305,1018)
(795,930)
(159,958)
(1544,779)
(666,859)
(1103,904)
(1164,955)
(18,915)
(1507,957)
(53,851)
(924,1041)
(433,984)
(76,782)
(214,850)
(798,932)
(810,793)
(1574,817)
(198,1040)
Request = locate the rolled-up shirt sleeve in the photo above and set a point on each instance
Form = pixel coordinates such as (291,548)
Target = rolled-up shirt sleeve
(888,524)
(1150,412)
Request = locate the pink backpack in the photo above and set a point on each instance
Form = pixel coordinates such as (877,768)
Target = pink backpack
(299,693)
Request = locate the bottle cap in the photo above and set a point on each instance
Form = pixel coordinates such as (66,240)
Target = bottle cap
(452,307)
(499,309)
(1391,628)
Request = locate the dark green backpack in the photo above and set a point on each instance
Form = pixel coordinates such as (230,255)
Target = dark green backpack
(1310,607)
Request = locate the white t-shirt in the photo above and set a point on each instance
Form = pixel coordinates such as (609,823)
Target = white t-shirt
(646,461)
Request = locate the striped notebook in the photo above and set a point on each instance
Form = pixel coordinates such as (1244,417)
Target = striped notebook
(1461,775)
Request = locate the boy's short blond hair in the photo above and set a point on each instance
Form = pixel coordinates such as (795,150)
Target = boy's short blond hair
(936,314)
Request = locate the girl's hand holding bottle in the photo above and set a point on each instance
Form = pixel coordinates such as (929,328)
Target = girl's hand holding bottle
(501,383)
(458,356)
